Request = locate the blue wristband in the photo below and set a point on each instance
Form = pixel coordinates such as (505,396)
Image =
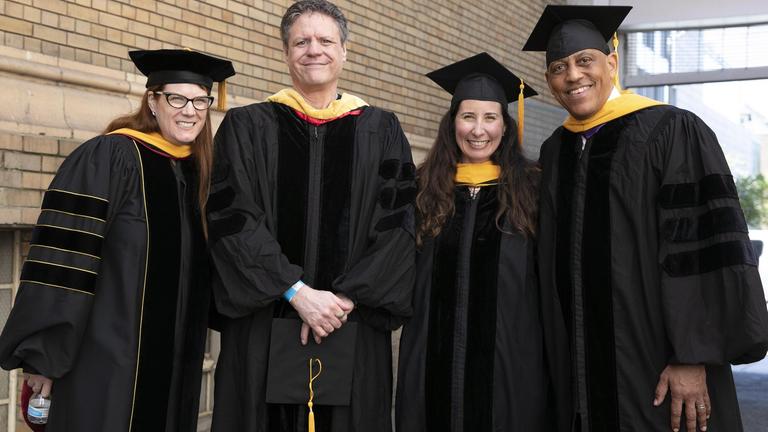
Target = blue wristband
(290,292)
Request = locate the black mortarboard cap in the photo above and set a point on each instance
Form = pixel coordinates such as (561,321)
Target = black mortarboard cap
(288,373)
(479,77)
(170,66)
(564,30)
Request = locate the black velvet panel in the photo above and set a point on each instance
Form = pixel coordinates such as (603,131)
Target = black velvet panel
(737,252)
(62,238)
(197,307)
(160,294)
(76,204)
(596,284)
(442,305)
(293,176)
(566,171)
(57,275)
(481,317)
(221,199)
(336,189)
(225,227)
(716,221)
(292,179)
(708,188)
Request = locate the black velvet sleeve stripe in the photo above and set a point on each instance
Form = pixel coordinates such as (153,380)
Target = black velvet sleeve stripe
(66,239)
(404,197)
(389,168)
(75,204)
(224,227)
(407,172)
(394,198)
(710,187)
(711,258)
(716,221)
(392,221)
(393,168)
(222,199)
(58,275)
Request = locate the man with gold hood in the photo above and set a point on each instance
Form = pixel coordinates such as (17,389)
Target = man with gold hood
(311,219)
(650,287)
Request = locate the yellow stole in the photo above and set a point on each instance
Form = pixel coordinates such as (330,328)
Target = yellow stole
(479,174)
(156,140)
(338,107)
(617,107)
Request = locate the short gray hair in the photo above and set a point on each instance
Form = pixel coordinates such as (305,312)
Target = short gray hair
(303,6)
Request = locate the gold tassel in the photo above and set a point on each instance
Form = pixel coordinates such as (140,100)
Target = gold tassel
(520,113)
(616,50)
(312,377)
(222,96)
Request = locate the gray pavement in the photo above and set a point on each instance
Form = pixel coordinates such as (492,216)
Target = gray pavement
(752,389)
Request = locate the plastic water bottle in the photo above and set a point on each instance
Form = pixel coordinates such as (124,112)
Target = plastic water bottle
(37,412)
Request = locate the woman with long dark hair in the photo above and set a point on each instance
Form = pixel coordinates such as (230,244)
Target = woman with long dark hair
(471,358)
(111,315)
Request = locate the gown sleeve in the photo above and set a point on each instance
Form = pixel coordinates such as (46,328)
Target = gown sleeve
(713,302)
(59,279)
(251,270)
(382,280)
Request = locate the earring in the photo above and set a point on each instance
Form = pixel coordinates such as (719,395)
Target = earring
(153,114)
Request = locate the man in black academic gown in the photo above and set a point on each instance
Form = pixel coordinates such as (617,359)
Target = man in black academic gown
(310,217)
(650,286)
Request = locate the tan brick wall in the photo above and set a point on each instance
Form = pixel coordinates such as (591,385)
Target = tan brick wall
(27,166)
(392,44)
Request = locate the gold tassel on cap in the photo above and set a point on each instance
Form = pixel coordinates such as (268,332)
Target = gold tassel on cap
(222,106)
(616,50)
(520,113)
(312,377)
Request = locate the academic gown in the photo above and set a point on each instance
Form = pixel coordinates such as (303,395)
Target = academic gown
(330,204)
(645,261)
(472,356)
(113,299)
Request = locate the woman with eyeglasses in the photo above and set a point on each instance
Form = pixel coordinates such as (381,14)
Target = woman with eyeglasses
(112,310)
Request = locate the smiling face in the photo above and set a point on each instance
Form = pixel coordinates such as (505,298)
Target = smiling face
(179,126)
(582,82)
(315,53)
(479,128)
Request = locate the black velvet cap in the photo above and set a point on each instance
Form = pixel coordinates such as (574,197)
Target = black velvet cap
(173,66)
(480,77)
(564,30)
(288,370)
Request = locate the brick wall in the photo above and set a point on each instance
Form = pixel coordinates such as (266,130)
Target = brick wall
(392,44)
(27,166)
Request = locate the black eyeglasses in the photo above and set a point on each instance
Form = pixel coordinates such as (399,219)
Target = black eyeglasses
(200,103)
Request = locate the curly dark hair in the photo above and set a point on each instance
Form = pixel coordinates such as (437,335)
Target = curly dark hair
(518,183)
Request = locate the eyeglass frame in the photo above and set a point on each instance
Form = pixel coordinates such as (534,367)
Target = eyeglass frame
(188,100)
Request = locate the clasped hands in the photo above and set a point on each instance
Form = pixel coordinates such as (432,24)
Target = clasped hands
(320,311)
